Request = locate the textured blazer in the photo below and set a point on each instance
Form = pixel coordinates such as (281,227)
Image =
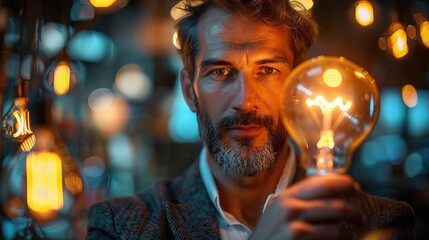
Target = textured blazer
(181,209)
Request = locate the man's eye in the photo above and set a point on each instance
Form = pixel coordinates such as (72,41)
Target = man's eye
(221,72)
(268,70)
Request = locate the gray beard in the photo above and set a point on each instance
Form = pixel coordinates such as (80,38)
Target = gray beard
(243,160)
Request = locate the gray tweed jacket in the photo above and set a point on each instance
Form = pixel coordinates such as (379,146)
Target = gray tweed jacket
(181,209)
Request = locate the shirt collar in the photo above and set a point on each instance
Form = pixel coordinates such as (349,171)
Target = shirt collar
(210,185)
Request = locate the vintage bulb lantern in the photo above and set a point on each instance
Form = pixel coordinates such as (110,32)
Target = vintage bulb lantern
(16,124)
(329,106)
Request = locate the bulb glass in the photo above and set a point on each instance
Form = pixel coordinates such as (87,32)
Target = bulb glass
(330,105)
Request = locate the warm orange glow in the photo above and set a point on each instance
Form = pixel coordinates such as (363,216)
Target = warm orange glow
(326,106)
(399,43)
(176,42)
(364,13)
(332,77)
(28,143)
(73,183)
(22,119)
(424,33)
(409,95)
(62,78)
(44,183)
(102,3)
(411,31)
(15,207)
(326,139)
(324,159)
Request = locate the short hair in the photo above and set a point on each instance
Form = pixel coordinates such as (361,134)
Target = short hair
(288,13)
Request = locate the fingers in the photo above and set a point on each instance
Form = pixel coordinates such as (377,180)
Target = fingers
(318,211)
(313,208)
(332,185)
(302,230)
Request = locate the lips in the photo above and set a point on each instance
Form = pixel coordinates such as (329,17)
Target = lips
(245,130)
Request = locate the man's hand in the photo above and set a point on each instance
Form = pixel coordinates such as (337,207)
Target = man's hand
(311,209)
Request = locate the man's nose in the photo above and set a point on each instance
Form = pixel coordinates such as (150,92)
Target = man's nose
(247,94)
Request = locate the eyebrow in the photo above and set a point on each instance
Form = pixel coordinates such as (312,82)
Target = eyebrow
(214,62)
(217,62)
(275,59)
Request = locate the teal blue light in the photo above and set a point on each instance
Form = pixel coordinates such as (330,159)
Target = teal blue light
(418,116)
(182,126)
(90,46)
(392,112)
(387,148)
(413,165)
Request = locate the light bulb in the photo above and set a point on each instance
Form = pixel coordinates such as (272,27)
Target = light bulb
(102,3)
(16,124)
(44,177)
(329,106)
(62,76)
(44,183)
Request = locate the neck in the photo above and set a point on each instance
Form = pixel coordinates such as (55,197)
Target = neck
(245,196)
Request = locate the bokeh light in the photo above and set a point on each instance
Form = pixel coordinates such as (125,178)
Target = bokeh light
(413,165)
(398,41)
(100,99)
(102,3)
(424,33)
(53,38)
(182,125)
(409,95)
(64,75)
(392,113)
(90,46)
(411,32)
(133,82)
(109,113)
(418,116)
(364,13)
(386,148)
(121,152)
(93,170)
(73,183)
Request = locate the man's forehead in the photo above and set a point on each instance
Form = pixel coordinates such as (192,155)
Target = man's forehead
(221,33)
(232,30)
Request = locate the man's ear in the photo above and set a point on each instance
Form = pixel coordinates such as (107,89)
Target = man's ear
(188,89)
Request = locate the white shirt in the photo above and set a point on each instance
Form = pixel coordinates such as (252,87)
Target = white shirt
(229,227)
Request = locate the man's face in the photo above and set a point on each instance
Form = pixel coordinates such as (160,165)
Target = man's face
(239,72)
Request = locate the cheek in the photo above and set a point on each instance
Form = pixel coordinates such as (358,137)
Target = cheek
(272,96)
(214,100)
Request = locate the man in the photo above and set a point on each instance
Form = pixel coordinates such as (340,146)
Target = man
(246,183)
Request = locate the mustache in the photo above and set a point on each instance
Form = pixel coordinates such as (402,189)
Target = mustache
(246,118)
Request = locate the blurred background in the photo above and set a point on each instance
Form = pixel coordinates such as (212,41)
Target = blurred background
(91,106)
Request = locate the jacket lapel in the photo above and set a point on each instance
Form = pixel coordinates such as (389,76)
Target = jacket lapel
(194,216)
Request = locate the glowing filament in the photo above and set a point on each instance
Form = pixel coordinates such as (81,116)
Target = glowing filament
(62,78)
(364,13)
(22,118)
(326,106)
(324,158)
(326,139)
(44,183)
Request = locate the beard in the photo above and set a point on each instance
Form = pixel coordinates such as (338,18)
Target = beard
(245,159)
